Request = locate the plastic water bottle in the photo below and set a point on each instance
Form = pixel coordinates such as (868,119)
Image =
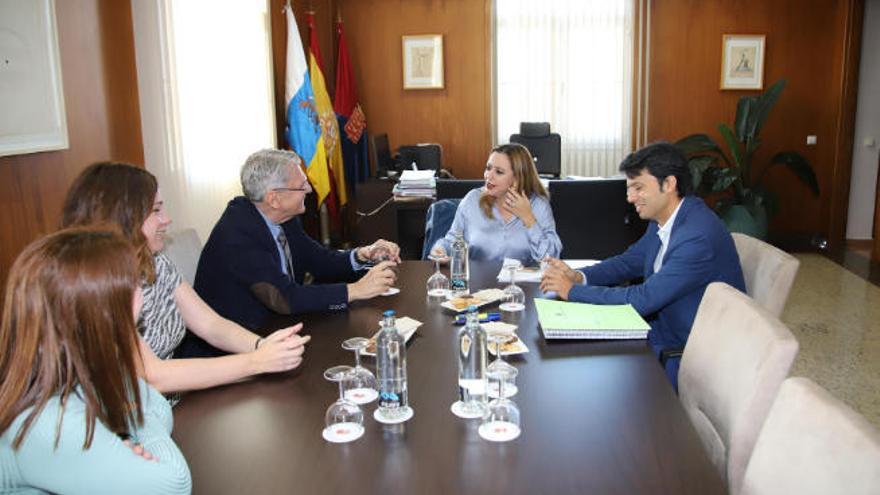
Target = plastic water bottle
(391,371)
(472,380)
(458,268)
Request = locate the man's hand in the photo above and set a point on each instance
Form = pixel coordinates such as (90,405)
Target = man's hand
(575,276)
(559,278)
(378,251)
(379,279)
(280,351)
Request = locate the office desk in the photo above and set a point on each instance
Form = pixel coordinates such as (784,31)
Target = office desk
(401,221)
(597,417)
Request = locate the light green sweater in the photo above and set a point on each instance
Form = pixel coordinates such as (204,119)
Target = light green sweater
(108,466)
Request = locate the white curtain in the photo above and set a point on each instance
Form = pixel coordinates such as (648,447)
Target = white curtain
(567,62)
(205,80)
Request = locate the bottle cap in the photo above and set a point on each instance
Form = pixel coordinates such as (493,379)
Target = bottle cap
(388,313)
(472,309)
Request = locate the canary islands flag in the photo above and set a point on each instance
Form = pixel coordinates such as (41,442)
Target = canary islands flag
(303,128)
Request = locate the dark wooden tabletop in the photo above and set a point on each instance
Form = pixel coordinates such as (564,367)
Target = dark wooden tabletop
(597,417)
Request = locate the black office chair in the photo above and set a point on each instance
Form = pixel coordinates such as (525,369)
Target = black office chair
(380,155)
(425,156)
(593,219)
(545,147)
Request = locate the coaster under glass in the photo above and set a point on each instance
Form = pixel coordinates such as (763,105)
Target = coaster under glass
(401,414)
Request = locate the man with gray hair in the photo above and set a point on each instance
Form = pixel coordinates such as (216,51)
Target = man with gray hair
(257,254)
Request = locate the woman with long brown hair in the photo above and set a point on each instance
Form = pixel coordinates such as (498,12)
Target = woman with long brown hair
(510,217)
(129,197)
(69,361)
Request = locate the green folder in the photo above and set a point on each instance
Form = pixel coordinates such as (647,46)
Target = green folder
(571,320)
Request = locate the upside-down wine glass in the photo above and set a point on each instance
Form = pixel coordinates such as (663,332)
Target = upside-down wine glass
(501,422)
(438,284)
(363,387)
(344,420)
(514,299)
(509,389)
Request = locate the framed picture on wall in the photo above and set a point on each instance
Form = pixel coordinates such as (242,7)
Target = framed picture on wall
(32,97)
(742,61)
(423,61)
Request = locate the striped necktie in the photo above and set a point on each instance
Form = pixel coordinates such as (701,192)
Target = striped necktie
(288,260)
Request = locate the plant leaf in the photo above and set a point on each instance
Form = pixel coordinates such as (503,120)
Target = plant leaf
(732,143)
(762,106)
(697,143)
(744,111)
(724,178)
(699,165)
(800,167)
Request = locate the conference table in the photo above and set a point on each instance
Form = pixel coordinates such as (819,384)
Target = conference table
(596,416)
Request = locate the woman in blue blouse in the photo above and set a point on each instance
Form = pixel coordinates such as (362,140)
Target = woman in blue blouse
(71,403)
(510,217)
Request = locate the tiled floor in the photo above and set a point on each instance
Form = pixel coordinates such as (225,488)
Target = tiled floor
(835,316)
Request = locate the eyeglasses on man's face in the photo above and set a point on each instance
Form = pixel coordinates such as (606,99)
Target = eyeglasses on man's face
(306,188)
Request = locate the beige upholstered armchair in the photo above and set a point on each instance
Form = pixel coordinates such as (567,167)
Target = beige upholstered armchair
(735,359)
(812,443)
(768,270)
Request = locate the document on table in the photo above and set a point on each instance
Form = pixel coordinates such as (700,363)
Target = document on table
(571,320)
(534,273)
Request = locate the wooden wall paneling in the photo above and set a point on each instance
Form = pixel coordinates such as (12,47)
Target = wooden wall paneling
(458,117)
(802,38)
(850,14)
(103,121)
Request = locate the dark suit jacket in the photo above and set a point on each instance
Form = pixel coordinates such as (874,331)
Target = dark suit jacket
(700,251)
(241,259)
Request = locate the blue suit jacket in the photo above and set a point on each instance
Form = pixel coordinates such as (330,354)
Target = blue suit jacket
(241,255)
(700,251)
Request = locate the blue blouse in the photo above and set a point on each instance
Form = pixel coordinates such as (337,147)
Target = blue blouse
(494,239)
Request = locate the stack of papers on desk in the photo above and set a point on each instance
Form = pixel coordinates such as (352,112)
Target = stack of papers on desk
(570,320)
(416,183)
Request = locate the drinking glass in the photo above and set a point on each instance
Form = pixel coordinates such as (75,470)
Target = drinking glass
(385,255)
(514,299)
(363,387)
(501,422)
(438,284)
(344,420)
(499,364)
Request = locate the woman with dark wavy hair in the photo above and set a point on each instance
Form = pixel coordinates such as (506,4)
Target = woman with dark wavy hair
(510,217)
(69,360)
(129,197)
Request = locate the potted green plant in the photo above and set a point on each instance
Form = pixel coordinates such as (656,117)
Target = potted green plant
(745,204)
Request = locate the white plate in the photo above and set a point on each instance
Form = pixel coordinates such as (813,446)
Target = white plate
(406,326)
(486,296)
(509,349)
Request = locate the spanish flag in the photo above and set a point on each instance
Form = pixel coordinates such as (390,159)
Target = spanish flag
(327,119)
(303,131)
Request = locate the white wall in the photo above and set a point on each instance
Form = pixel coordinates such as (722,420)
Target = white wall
(862,192)
(206,98)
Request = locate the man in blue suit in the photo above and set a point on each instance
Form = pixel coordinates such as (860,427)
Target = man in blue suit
(256,259)
(685,248)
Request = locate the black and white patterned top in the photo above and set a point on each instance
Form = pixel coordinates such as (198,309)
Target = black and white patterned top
(161,323)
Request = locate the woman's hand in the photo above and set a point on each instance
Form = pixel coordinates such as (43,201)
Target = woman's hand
(518,204)
(438,253)
(140,451)
(281,351)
